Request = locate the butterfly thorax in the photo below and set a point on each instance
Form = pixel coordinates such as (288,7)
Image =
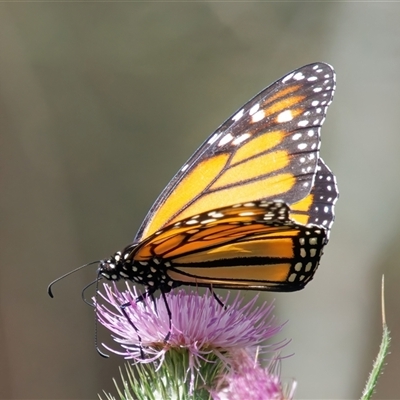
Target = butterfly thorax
(151,273)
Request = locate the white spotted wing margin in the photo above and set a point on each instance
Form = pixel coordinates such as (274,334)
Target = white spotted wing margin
(326,193)
(322,199)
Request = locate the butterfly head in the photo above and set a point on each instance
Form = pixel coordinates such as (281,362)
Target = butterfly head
(119,266)
(111,268)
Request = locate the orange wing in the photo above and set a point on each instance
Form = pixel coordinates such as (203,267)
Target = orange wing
(269,149)
(252,246)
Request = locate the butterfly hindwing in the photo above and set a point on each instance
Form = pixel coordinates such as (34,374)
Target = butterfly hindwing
(253,245)
(268,149)
(318,206)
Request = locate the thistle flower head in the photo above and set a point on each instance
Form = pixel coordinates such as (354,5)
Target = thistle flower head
(196,322)
(188,338)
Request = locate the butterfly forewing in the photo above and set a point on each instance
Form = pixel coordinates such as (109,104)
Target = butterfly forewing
(268,149)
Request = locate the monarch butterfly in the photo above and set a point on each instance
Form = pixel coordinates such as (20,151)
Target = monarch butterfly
(254,205)
(252,208)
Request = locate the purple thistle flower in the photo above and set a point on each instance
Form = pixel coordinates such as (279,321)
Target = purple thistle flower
(198,323)
(251,382)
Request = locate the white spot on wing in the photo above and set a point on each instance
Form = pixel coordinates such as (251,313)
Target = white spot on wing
(226,139)
(215,214)
(303,123)
(207,221)
(288,77)
(296,136)
(241,138)
(308,266)
(238,115)
(298,266)
(302,146)
(214,138)
(258,116)
(254,109)
(284,116)
(298,76)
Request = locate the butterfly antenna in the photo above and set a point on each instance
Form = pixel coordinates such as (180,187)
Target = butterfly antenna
(87,287)
(96,318)
(49,288)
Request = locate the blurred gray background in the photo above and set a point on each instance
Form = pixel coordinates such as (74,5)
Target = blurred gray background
(101,103)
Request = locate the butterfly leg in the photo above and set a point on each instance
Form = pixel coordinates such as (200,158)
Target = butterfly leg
(141,298)
(154,302)
(123,309)
(169,316)
(151,294)
(217,298)
(138,300)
